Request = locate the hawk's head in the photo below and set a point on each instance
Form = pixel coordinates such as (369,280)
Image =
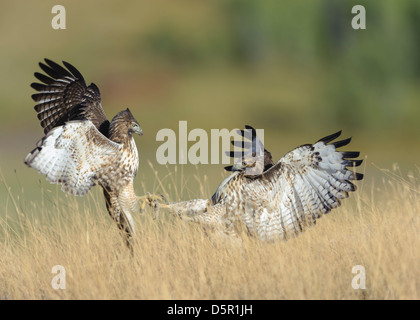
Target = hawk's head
(124,123)
(251,164)
(254,159)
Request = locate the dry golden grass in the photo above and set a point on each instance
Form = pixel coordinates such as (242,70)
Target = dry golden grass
(378,228)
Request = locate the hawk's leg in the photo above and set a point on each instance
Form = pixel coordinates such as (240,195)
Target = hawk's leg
(184,209)
(197,210)
(116,213)
(153,200)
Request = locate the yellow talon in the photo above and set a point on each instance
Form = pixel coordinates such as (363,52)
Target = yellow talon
(153,201)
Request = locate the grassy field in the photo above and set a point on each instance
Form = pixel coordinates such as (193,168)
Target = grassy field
(297,70)
(377,228)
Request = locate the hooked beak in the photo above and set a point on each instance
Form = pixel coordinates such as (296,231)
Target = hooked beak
(233,168)
(139,131)
(237,166)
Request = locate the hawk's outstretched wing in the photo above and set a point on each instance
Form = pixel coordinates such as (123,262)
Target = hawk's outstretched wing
(306,183)
(74,155)
(64,96)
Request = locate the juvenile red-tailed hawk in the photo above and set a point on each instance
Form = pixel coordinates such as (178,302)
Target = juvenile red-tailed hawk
(81,147)
(276,200)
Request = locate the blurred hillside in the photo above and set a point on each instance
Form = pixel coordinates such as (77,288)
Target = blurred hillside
(294,68)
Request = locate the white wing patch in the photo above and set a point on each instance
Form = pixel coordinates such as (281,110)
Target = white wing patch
(73,155)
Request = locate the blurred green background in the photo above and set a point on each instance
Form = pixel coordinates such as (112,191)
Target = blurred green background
(294,68)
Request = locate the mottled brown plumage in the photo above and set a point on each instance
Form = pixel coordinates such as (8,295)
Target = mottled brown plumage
(81,147)
(284,198)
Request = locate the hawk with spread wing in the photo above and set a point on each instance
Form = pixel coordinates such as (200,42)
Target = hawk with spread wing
(81,147)
(276,200)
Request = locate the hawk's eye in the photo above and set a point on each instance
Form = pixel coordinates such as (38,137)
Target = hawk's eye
(134,125)
(244,163)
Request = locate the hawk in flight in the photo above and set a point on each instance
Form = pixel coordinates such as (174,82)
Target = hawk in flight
(276,200)
(81,147)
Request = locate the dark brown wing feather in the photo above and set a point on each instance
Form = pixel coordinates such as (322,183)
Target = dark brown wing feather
(63,96)
(249,147)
